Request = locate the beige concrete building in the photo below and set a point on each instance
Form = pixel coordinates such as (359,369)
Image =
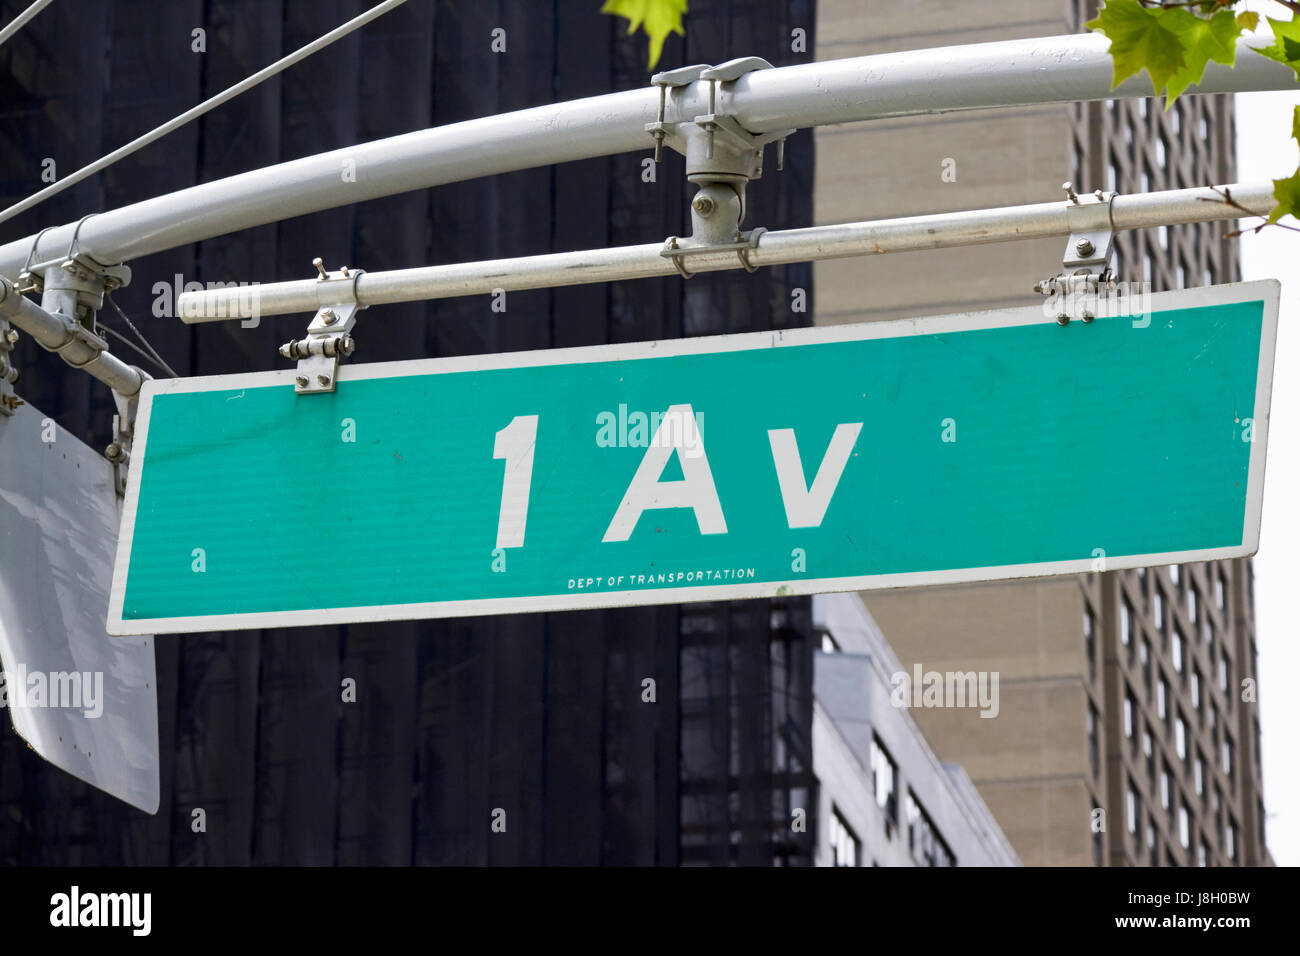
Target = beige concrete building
(1122,691)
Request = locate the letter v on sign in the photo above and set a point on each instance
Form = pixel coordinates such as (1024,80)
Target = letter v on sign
(806,507)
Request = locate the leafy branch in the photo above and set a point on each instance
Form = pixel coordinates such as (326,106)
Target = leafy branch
(1175,40)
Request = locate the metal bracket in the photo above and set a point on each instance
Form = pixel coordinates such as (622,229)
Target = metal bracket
(715,145)
(328,339)
(119,449)
(9,400)
(680,249)
(1085,266)
(74,283)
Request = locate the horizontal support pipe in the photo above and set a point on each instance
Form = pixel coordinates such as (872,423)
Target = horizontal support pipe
(977,76)
(56,333)
(937,231)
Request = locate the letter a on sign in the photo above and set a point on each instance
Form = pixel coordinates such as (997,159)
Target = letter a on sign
(677,435)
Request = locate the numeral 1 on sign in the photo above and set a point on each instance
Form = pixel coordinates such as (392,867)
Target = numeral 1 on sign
(515,443)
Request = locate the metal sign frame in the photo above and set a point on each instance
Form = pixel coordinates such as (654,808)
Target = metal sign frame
(1267,291)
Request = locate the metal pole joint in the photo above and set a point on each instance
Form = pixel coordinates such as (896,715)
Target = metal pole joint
(1085,266)
(721,158)
(329,336)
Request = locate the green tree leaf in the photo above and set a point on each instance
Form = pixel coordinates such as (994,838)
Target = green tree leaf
(1203,40)
(1172,44)
(1287,193)
(661,17)
(1248,19)
(1286,43)
(1139,39)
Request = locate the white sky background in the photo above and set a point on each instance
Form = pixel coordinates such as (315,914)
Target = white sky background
(1266,151)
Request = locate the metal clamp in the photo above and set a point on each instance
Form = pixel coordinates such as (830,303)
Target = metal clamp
(86,275)
(1085,266)
(328,336)
(80,334)
(715,145)
(679,249)
(9,400)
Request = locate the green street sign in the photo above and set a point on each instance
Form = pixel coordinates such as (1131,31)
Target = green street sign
(922,451)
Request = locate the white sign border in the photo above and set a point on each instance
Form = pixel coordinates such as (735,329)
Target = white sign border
(1267,290)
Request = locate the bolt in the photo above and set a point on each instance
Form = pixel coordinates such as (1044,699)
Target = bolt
(113,452)
(329,316)
(323,379)
(319,263)
(1062,319)
(1085,247)
(302,381)
(703,205)
(1087,316)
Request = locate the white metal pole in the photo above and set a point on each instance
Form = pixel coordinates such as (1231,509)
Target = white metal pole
(938,231)
(58,333)
(1009,73)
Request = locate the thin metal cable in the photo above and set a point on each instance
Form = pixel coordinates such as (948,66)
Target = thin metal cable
(242,86)
(153,353)
(101,327)
(20,21)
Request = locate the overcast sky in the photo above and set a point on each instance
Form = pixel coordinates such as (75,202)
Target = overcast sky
(1266,151)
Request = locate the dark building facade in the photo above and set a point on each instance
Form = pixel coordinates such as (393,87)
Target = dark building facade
(541,716)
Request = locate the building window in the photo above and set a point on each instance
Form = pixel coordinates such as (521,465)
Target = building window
(1193,609)
(1133,805)
(1180,737)
(1094,749)
(1130,706)
(1144,656)
(1162,700)
(1228,757)
(1198,776)
(1160,610)
(1166,789)
(1220,592)
(884,780)
(1230,840)
(1149,752)
(846,849)
(1223,676)
(1184,827)
(1151,842)
(1090,643)
(923,839)
(1178,648)
(1202,853)
(1126,627)
(1196,689)
(1174,574)
(1097,859)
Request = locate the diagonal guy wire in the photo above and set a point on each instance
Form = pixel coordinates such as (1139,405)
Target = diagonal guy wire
(20,21)
(243,85)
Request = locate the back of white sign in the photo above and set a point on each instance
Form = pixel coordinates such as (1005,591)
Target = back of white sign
(83,700)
